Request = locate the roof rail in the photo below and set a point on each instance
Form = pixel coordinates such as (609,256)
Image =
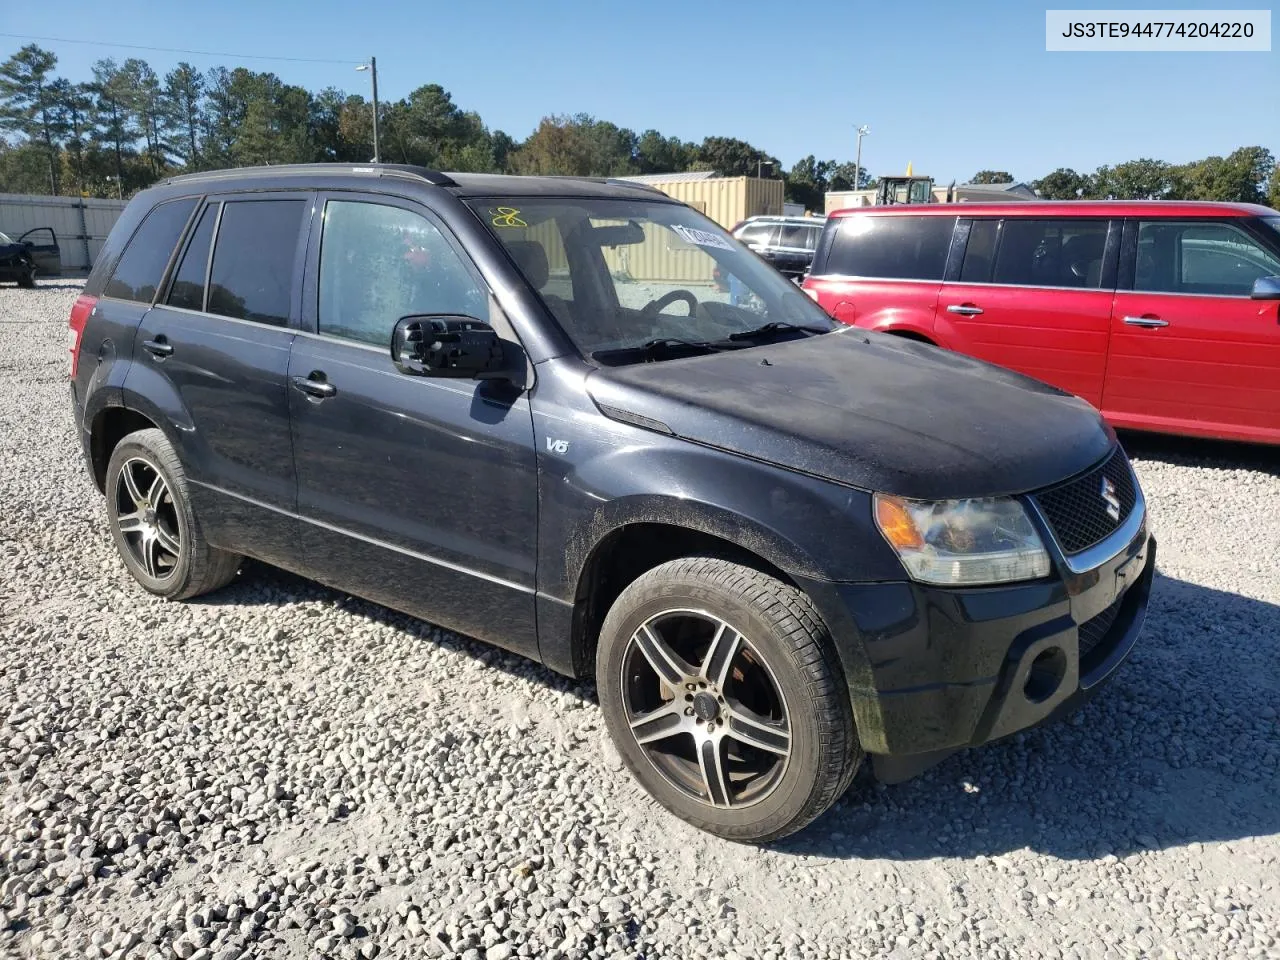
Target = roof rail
(623,182)
(433,177)
(608,181)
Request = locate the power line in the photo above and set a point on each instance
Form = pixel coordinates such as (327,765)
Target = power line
(197,53)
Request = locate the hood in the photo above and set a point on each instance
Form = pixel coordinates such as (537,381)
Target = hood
(869,410)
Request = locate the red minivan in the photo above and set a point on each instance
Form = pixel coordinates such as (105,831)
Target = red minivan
(1165,315)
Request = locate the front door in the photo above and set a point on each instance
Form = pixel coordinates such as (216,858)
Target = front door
(1190,351)
(216,347)
(44,251)
(1034,296)
(416,492)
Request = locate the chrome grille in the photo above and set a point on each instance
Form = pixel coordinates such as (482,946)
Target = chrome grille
(1078,511)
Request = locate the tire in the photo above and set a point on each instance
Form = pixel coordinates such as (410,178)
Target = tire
(29,280)
(156,532)
(714,752)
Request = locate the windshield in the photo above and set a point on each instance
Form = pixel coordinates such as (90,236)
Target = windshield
(4,238)
(623,275)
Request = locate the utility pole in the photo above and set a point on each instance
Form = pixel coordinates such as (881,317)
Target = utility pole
(857,162)
(372,67)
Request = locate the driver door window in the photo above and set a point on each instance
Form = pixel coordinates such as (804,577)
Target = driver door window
(379,263)
(1206,258)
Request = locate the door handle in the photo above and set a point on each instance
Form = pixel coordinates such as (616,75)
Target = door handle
(320,389)
(159,347)
(965,310)
(1145,322)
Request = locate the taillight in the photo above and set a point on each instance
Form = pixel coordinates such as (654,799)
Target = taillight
(75,328)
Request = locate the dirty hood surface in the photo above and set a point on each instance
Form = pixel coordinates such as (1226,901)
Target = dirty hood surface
(869,410)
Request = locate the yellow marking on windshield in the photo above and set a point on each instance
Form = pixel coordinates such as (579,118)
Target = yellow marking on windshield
(507,217)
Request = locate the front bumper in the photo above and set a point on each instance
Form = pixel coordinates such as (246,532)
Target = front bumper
(933,670)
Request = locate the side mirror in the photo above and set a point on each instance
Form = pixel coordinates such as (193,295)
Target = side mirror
(447,346)
(1266,288)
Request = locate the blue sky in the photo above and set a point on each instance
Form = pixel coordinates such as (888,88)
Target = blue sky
(950,87)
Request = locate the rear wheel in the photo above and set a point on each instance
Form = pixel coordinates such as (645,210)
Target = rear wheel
(155,530)
(724,697)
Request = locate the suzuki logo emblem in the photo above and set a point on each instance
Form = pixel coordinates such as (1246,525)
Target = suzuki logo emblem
(1110,499)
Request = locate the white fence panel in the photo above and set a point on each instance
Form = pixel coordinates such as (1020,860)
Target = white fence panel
(81,225)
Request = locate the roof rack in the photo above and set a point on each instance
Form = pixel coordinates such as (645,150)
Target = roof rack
(433,177)
(608,181)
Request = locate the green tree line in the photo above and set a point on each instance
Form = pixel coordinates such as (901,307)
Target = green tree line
(127,127)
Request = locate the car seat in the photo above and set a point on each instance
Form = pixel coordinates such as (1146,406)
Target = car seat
(531,257)
(1083,256)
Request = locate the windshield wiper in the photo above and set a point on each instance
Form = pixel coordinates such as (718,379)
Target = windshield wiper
(776,326)
(659,347)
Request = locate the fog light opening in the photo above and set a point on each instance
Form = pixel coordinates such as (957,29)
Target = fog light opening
(1045,675)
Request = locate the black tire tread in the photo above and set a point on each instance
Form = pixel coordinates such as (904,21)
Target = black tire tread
(211,567)
(797,624)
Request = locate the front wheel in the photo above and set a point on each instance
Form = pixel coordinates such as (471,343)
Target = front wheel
(28,279)
(722,692)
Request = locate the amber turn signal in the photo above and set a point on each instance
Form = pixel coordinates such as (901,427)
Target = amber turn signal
(896,524)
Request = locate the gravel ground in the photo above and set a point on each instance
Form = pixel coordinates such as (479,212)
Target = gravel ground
(279,770)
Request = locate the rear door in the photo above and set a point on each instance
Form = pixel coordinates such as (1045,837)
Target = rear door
(215,352)
(417,492)
(44,251)
(884,272)
(1190,351)
(1034,295)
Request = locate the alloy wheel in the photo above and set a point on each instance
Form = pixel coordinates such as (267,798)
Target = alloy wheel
(705,708)
(147,518)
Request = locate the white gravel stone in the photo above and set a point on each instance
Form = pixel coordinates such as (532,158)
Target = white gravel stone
(279,770)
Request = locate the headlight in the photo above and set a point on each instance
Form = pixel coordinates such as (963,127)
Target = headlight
(956,542)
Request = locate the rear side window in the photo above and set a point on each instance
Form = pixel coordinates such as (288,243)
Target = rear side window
(980,252)
(1051,253)
(252,275)
(891,248)
(187,290)
(802,237)
(141,266)
(1206,258)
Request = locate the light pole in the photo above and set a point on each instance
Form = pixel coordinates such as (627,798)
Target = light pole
(372,67)
(857,162)
(762,163)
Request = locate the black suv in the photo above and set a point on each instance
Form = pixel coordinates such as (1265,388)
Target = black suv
(786,242)
(521,408)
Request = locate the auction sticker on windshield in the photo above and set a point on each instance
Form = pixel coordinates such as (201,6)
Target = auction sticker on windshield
(702,238)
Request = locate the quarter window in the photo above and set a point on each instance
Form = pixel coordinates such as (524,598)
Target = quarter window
(188,285)
(141,267)
(379,263)
(891,248)
(1051,253)
(1211,259)
(252,275)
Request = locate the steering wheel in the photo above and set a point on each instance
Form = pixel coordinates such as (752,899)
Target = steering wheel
(656,306)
